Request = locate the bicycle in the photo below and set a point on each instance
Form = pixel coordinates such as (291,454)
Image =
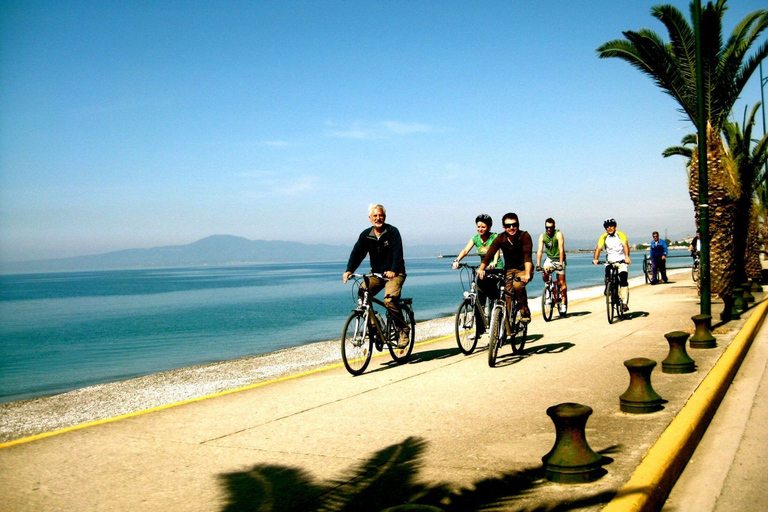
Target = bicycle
(647,269)
(365,329)
(696,266)
(506,326)
(551,298)
(469,310)
(613,303)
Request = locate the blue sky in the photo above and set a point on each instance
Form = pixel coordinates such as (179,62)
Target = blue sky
(139,124)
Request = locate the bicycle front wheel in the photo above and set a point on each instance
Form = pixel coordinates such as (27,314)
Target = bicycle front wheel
(547,303)
(497,336)
(401,355)
(648,271)
(610,298)
(519,334)
(466,331)
(695,270)
(356,347)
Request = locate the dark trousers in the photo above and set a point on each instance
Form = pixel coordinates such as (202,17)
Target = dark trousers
(658,264)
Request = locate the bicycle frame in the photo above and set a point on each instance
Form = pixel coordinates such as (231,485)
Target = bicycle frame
(473,297)
(365,306)
(614,302)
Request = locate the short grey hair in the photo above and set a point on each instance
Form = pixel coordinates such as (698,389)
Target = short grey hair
(373,207)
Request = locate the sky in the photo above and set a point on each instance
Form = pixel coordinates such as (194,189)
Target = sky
(150,123)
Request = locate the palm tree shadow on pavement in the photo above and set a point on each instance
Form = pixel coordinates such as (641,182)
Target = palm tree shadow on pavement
(387,479)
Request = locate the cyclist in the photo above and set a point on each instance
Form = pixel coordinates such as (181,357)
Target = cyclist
(659,251)
(481,241)
(616,249)
(385,248)
(552,243)
(695,246)
(516,247)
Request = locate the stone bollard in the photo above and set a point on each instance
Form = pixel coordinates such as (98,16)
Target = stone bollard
(729,312)
(702,338)
(640,398)
(738,303)
(678,360)
(748,297)
(571,460)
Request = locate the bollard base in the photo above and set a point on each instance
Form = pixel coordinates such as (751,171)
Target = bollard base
(640,407)
(678,367)
(574,475)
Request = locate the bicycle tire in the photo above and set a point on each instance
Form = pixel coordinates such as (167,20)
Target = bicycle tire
(465,324)
(695,270)
(610,298)
(497,335)
(519,334)
(648,271)
(401,355)
(547,303)
(356,347)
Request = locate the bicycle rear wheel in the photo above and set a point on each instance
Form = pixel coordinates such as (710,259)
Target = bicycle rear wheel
(648,271)
(356,347)
(401,355)
(547,303)
(519,334)
(497,336)
(465,324)
(610,298)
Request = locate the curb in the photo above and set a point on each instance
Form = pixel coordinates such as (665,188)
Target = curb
(652,481)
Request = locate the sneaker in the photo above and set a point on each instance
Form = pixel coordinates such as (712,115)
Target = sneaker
(563,309)
(624,308)
(525,317)
(405,339)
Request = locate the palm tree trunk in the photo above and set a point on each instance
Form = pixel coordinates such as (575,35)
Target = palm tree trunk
(753,267)
(721,198)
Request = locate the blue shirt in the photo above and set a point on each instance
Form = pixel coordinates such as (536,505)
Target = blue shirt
(658,249)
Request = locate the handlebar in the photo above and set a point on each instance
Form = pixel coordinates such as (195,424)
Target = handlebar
(555,266)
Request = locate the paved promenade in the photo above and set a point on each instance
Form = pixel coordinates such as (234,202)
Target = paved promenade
(444,429)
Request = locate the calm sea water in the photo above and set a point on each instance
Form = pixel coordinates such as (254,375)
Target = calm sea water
(64,331)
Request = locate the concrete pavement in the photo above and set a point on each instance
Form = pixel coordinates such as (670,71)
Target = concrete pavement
(444,429)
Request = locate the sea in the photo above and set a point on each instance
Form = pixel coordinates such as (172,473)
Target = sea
(64,331)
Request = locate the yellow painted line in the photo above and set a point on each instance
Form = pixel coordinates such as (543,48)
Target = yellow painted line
(52,433)
(653,479)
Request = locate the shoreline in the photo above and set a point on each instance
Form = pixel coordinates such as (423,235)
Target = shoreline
(25,418)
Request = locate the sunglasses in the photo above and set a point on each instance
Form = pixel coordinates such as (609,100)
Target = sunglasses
(549,228)
(511,225)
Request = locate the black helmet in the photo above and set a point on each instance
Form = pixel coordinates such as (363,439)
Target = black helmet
(609,222)
(485,219)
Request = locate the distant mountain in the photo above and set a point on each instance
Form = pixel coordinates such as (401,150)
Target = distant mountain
(216,250)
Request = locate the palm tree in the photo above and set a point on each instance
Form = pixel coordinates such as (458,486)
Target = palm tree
(726,71)
(748,161)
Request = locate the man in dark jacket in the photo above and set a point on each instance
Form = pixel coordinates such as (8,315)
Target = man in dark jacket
(385,248)
(516,245)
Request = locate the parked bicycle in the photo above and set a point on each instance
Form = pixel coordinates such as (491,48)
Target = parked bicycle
(470,310)
(506,327)
(551,298)
(365,329)
(613,302)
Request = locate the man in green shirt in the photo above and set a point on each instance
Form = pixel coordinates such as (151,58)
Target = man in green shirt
(552,245)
